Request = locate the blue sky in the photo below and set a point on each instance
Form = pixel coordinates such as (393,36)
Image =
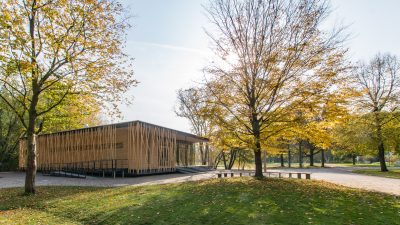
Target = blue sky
(170,48)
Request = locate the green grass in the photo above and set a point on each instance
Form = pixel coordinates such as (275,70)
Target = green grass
(393,173)
(357,165)
(278,166)
(372,165)
(218,201)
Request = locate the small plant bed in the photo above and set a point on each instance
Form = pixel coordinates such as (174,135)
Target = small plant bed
(392,173)
(217,201)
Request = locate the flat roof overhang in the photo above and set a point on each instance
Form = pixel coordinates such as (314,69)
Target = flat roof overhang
(180,135)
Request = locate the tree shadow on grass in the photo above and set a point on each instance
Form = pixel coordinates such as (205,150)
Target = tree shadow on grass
(234,201)
(14,198)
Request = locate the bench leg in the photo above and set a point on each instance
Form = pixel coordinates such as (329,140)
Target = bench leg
(225,174)
(231,174)
(290,175)
(299,176)
(308,176)
(219,175)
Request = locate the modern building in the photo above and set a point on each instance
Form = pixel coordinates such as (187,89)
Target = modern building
(130,148)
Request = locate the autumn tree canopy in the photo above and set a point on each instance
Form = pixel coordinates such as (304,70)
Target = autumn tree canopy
(379,84)
(58,48)
(272,58)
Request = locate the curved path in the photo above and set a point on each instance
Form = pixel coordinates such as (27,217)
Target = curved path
(338,175)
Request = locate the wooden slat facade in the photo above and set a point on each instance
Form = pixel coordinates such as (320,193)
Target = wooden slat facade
(150,149)
(138,147)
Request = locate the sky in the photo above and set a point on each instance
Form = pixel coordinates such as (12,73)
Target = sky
(170,48)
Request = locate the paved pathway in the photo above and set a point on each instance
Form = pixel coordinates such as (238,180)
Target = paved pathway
(17,179)
(341,176)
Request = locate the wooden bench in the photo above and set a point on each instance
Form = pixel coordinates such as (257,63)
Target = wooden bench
(290,174)
(280,174)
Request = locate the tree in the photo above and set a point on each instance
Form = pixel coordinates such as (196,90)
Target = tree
(56,48)
(192,106)
(74,112)
(272,56)
(316,130)
(379,83)
(229,148)
(353,137)
(391,132)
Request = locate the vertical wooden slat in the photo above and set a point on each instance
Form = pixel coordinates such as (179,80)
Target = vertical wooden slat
(148,147)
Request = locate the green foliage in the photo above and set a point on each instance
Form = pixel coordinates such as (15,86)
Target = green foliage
(217,201)
(354,137)
(357,134)
(10,132)
(54,50)
(74,112)
(391,133)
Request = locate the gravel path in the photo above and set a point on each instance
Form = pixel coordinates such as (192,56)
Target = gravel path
(342,176)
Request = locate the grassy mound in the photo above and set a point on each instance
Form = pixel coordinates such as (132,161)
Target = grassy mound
(217,201)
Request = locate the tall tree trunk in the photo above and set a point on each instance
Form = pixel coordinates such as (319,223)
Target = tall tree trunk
(258,163)
(255,122)
(322,158)
(265,161)
(381,148)
(239,161)
(207,154)
(224,159)
(381,155)
(381,152)
(31,165)
(232,158)
(289,157)
(282,163)
(300,155)
(353,156)
(217,159)
(312,156)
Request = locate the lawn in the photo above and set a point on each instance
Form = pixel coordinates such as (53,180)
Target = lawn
(373,165)
(278,166)
(393,173)
(218,201)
